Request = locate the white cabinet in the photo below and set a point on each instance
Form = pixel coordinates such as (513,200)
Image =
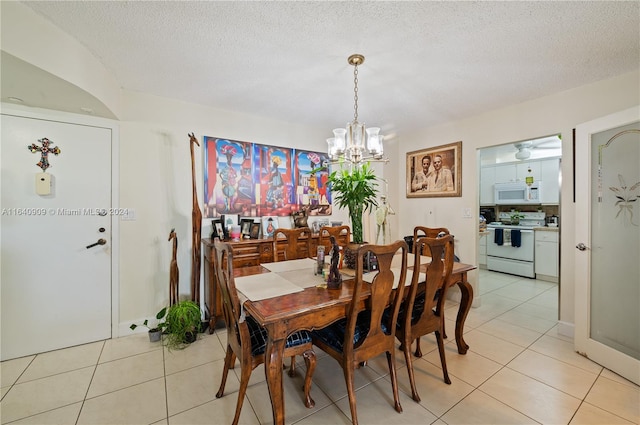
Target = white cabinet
(528,169)
(546,255)
(482,251)
(487,179)
(505,173)
(550,178)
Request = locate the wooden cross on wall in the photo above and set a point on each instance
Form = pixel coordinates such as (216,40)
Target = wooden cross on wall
(44,150)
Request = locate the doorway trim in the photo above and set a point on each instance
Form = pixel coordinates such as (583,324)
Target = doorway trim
(77,119)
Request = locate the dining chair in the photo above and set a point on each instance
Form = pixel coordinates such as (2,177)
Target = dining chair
(341,233)
(422,310)
(295,244)
(246,339)
(363,334)
(429,232)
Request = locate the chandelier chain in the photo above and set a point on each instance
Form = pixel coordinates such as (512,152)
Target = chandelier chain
(355,93)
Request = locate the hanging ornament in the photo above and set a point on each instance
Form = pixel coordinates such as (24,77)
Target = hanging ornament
(44,150)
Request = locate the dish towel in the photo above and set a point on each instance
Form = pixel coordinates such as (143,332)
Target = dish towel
(498,237)
(516,238)
(507,236)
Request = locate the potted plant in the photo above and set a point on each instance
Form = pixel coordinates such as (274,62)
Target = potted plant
(182,324)
(155,333)
(515,216)
(354,189)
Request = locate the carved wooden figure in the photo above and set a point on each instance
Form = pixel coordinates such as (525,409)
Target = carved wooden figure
(196,225)
(334,280)
(174,277)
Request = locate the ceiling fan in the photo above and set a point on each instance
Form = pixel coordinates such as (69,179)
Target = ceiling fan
(525,148)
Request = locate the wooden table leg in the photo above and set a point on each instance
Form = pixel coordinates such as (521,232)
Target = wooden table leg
(465,305)
(273,371)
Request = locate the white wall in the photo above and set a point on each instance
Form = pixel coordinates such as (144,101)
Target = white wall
(555,114)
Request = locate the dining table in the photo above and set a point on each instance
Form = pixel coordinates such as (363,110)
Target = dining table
(302,303)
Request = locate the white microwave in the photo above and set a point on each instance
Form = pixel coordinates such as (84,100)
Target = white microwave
(517,193)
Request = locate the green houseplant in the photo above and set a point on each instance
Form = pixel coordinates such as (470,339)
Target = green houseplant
(182,324)
(355,189)
(155,333)
(515,216)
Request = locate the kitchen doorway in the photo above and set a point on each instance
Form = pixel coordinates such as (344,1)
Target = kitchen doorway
(532,163)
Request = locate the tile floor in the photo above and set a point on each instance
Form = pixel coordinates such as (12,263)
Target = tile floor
(518,370)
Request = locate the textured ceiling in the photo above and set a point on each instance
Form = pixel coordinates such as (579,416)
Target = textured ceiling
(426,62)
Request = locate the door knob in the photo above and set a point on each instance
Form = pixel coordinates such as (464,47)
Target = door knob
(99,242)
(581,246)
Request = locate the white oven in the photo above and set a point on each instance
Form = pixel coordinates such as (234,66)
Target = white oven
(502,256)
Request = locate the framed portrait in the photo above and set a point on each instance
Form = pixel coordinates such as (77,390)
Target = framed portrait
(218,231)
(269,225)
(435,172)
(245,226)
(255,230)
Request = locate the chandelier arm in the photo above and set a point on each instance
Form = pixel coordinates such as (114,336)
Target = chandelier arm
(355,93)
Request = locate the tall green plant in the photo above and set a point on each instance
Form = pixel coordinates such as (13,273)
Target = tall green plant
(355,189)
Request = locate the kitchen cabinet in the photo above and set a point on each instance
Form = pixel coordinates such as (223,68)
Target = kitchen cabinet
(550,178)
(487,179)
(522,170)
(546,257)
(482,250)
(505,173)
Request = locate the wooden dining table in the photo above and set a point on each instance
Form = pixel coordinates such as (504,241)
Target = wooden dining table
(315,308)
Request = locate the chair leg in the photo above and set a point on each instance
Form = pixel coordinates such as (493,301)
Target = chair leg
(245,374)
(292,369)
(310,362)
(391,359)
(443,359)
(412,380)
(349,372)
(228,359)
(418,350)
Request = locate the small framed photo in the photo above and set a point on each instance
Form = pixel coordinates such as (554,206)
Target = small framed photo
(435,172)
(255,230)
(245,226)
(269,225)
(218,231)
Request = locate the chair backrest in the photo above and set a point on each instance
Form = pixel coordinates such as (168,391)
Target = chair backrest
(237,330)
(429,232)
(341,233)
(438,273)
(291,244)
(382,296)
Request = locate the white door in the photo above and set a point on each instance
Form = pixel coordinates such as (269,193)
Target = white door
(55,291)
(608,242)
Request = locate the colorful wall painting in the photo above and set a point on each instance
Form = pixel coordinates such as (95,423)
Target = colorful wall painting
(256,180)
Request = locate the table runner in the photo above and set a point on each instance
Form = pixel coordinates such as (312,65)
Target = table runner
(289,265)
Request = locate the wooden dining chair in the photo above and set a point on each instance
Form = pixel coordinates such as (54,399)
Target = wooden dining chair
(291,244)
(246,339)
(422,311)
(363,334)
(341,233)
(429,232)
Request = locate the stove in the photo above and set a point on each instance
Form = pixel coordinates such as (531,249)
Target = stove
(510,247)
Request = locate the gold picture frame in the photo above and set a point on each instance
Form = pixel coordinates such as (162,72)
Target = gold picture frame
(446,181)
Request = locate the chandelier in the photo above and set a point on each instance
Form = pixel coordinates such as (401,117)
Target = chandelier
(354,142)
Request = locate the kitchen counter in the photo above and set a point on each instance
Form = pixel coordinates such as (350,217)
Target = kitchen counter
(547,229)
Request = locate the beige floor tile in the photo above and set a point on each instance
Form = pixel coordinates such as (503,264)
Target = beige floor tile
(140,404)
(127,346)
(472,368)
(435,394)
(206,349)
(510,332)
(3,391)
(491,347)
(329,415)
(375,405)
(60,361)
(164,421)
(479,408)
(521,290)
(125,372)
(588,414)
(11,370)
(564,351)
(555,333)
(49,393)
(294,408)
(532,398)
(613,396)
(329,377)
(527,321)
(63,415)
(198,385)
(541,311)
(606,373)
(219,411)
(562,376)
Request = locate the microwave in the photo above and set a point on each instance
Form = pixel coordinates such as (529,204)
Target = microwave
(517,193)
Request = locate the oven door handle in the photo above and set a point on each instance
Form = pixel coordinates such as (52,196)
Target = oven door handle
(521,231)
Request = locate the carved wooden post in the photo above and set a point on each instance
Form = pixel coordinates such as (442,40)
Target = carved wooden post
(196,225)
(174,278)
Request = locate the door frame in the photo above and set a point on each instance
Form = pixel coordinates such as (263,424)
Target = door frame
(592,349)
(77,119)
